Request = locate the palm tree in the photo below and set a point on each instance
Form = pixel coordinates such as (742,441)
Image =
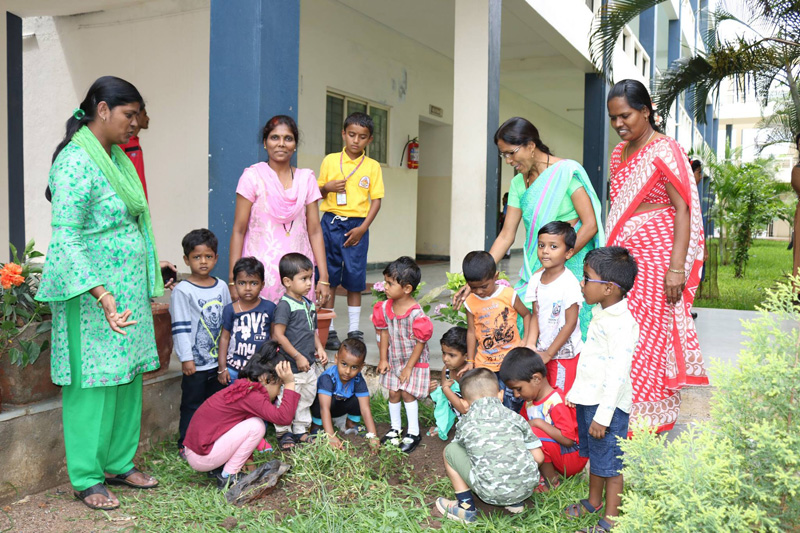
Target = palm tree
(768,52)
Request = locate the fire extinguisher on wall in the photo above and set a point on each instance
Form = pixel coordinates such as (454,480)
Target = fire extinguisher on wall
(411,153)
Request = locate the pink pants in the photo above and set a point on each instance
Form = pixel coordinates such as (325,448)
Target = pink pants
(232,449)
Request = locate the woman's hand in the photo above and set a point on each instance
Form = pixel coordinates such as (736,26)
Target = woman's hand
(323,293)
(673,286)
(461,296)
(116,320)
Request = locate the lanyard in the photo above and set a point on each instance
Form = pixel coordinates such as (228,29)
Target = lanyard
(213,352)
(341,161)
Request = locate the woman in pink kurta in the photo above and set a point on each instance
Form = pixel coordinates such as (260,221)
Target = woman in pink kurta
(276,213)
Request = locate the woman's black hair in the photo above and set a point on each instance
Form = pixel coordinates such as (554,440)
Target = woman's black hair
(276,121)
(519,131)
(109,89)
(637,96)
(263,362)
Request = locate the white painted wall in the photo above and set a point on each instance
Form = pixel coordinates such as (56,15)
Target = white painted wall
(433,194)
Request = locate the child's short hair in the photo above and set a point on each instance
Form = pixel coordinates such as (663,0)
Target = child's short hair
(196,237)
(478,266)
(614,263)
(356,347)
(263,362)
(564,229)
(292,264)
(250,266)
(520,364)
(479,383)
(405,271)
(359,119)
(455,337)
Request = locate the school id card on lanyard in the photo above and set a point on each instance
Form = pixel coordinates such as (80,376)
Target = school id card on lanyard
(341,197)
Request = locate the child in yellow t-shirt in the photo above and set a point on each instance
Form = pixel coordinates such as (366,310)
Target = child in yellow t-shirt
(352,187)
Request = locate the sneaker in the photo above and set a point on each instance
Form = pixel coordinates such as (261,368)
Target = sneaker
(224,483)
(333,342)
(410,443)
(392,437)
(452,510)
(515,509)
(356,335)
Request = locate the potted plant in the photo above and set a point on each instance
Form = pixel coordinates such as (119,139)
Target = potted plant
(24,331)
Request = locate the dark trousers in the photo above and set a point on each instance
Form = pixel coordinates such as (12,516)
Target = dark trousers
(196,389)
(339,407)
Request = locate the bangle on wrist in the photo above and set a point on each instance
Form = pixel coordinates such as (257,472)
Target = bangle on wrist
(676,271)
(222,371)
(231,283)
(100,298)
(324,283)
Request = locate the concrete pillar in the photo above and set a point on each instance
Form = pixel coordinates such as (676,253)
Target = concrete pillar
(476,73)
(4,230)
(253,75)
(595,135)
(648,36)
(16,176)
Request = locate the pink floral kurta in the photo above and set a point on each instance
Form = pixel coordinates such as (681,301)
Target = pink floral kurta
(267,238)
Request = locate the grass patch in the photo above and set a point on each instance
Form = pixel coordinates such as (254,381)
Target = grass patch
(769,263)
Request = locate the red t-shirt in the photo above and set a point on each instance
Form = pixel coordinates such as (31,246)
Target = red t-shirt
(134,152)
(554,411)
(241,400)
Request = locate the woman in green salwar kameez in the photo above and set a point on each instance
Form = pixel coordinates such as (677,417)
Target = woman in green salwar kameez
(100,272)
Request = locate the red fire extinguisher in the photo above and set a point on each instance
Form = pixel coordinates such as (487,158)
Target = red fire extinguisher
(412,154)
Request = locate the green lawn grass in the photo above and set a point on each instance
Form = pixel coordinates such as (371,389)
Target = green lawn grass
(769,263)
(330,490)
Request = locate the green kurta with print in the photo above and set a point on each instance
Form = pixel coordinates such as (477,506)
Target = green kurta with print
(95,241)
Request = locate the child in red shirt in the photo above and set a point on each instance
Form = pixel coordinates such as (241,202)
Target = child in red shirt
(556,425)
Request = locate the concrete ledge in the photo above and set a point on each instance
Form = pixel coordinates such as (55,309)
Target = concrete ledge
(32,437)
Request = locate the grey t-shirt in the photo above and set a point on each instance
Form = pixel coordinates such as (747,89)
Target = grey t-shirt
(300,318)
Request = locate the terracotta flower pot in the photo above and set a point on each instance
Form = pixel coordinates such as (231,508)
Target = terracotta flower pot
(20,385)
(162,325)
(324,317)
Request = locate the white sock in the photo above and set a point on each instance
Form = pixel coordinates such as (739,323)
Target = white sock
(333,327)
(412,416)
(395,416)
(354,312)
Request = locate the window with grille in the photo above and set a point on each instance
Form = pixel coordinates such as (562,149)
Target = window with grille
(339,107)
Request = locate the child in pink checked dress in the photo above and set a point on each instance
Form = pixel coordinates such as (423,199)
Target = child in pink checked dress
(404,334)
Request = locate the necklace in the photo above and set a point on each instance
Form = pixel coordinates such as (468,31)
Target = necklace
(529,182)
(289,230)
(625,148)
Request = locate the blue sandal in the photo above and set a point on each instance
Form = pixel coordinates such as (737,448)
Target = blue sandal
(602,526)
(577,510)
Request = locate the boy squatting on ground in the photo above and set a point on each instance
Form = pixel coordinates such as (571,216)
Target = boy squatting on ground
(492,312)
(448,403)
(295,329)
(245,323)
(404,359)
(556,299)
(196,308)
(494,452)
(602,393)
(342,390)
(545,409)
(351,185)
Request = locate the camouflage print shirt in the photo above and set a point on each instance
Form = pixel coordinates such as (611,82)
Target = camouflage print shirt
(498,442)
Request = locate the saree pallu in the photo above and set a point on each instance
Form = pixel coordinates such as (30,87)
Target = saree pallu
(539,205)
(668,354)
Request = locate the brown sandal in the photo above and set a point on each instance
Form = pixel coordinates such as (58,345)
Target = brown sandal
(122,479)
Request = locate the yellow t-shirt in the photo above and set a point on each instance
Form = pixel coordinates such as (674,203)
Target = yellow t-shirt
(364,185)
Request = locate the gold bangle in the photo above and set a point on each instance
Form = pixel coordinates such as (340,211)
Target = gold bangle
(324,283)
(231,283)
(676,271)
(99,304)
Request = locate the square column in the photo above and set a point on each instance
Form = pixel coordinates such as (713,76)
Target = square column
(476,116)
(4,219)
(595,136)
(16,176)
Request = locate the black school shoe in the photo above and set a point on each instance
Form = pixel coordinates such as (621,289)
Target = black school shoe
(410,443)
(333,343)
(356,335)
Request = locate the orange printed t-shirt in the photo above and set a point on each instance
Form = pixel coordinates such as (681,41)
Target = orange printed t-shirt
(495,321)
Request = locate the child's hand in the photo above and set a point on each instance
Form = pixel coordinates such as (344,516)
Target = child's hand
(284,371)
(545,355)
(434,385)
(405,375)
(383,367)
(569,404)
(322,356)
(467,368)
(224,377)
(335,442)
(335,186)
(354,236)
(188,368)
(447,381)
(597,431)
(302,363)
(374,445)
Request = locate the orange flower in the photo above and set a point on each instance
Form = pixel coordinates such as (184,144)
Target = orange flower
(10,275)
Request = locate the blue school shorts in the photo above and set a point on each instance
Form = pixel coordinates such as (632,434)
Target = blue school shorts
(346,266)
(605,455)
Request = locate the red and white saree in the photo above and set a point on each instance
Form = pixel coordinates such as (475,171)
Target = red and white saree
(668,354)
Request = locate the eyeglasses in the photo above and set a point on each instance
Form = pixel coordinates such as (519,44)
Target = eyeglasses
(512,153)
(588,280)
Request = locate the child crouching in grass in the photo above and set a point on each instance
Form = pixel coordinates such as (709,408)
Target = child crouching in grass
(494,452)
(342,390)
(447,400)
(229,426)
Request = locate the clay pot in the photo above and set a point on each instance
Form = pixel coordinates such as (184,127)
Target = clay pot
(162,326)
(324,317)
(20,385)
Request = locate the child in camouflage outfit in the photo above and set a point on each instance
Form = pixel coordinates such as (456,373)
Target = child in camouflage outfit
(494,452)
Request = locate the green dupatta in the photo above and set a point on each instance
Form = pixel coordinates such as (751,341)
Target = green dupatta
(126,183)
(539,204)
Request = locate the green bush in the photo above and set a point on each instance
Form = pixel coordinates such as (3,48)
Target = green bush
(741,470)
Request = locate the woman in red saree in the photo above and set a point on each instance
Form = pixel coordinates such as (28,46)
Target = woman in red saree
(655,213)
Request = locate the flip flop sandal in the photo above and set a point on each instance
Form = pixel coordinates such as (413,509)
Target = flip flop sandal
(577,510)
(96,489)
(303,438)
(286,443)
(602,526)
(122,479)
